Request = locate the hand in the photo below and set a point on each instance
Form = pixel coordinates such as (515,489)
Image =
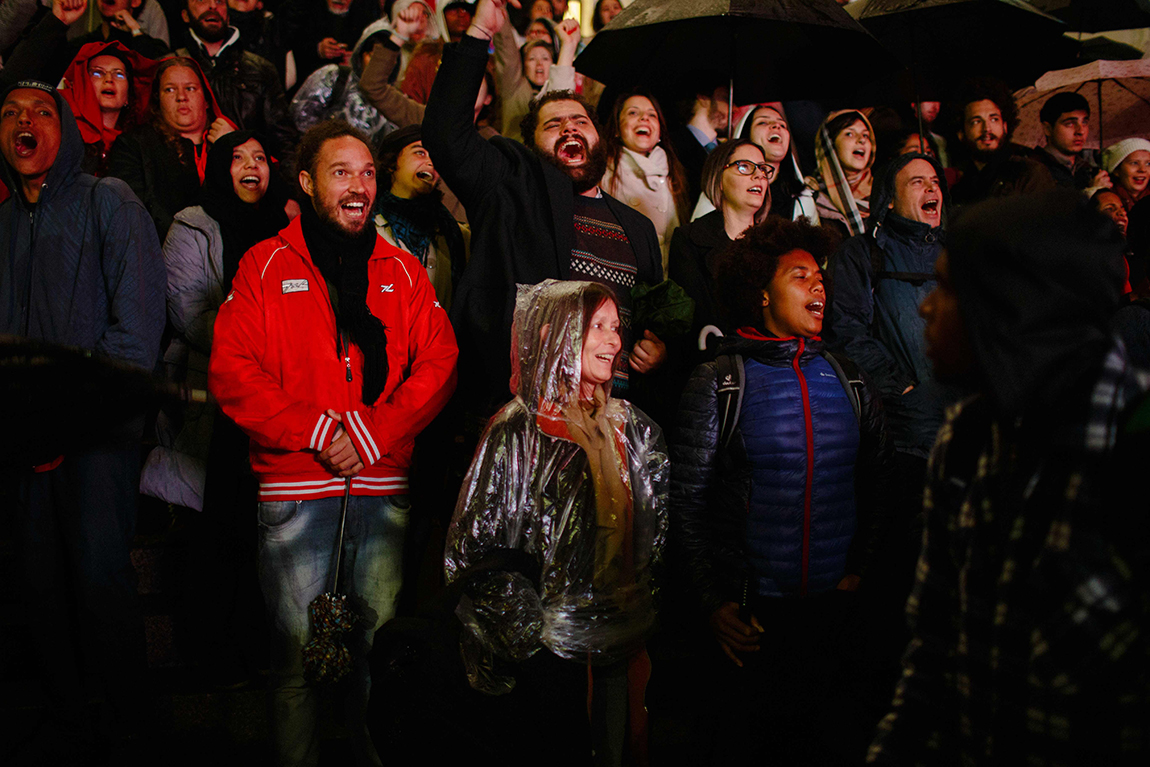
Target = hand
(1101,180)
(123,19)
(732,634)
(648,354)
(489,18)
(848,583)
(291,208)
(329,49)
(341,458)
(411,24)
(569,37)
(69,11)
(219,127)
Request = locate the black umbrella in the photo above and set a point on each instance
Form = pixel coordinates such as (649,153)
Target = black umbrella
(770,49)
(326,658)
(58,399)
(946,41)
(1098,15)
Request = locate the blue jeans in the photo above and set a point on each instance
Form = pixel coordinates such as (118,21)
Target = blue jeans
(296,558)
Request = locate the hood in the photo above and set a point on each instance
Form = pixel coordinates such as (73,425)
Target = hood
(82,98)
(381,28)
(883,191)
(548,332)
(787,170)
(1038,278)
(67,165)
(832,177)
(433,25)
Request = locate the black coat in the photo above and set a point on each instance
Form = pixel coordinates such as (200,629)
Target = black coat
(250,93)
(711,485)
(151,165)
(692,155)
(521,210)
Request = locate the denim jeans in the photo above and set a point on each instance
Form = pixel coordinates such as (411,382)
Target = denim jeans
(296,558)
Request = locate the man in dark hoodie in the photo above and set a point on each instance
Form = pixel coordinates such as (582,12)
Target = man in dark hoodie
(82,267)
(1029,611)
(993,167)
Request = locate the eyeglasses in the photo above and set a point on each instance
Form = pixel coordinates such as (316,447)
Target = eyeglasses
(747,168)
(115,74)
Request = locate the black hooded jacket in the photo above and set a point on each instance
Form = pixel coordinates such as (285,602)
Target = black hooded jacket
(82,266)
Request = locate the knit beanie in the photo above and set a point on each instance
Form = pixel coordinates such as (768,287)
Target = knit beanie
(1116,153)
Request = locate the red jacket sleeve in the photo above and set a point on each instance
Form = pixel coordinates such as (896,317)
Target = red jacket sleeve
(247,393)
(397,419)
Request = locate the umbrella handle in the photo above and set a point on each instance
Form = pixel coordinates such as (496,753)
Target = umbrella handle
(339,539)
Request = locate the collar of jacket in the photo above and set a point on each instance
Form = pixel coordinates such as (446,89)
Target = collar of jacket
(198,44)
(910,231)
(709,231)
(292,234)
(777,352)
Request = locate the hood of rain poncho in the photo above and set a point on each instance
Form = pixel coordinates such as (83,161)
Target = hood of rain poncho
(882,194)
(81,97)
(1038,278)
(833,179)
(581,488)
(380,29)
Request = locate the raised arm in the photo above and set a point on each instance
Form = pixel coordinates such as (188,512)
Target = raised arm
(375,87)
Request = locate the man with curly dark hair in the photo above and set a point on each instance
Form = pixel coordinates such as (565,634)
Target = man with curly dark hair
(993,167)
(777,509)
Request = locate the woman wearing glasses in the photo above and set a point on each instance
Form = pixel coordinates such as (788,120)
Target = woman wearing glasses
(736,179)
(107,87)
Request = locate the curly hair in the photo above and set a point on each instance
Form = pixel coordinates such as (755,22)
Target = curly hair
(987,89)
(746,267)
(313,141)
(530,120)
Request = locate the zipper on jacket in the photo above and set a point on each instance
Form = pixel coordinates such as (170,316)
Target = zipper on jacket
(343,349)
(810,434)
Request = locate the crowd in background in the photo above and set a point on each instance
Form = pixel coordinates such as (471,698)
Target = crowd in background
(695,405)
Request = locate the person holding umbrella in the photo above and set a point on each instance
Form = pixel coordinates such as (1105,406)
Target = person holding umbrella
(332,354)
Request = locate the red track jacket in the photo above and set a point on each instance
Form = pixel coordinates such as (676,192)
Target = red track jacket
(275,368)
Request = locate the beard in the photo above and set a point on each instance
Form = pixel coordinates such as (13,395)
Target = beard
(986,155)
(210,35)
(329,215)
(585,176)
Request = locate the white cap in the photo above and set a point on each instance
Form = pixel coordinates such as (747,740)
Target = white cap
(1116,153)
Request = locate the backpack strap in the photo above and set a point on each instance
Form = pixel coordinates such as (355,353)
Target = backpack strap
(850,379)
(878,274)
(730,374)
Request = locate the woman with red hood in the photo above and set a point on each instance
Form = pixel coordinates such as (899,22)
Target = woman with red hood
(163,160)
(107,87)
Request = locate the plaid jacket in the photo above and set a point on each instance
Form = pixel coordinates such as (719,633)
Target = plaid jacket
(1029,611)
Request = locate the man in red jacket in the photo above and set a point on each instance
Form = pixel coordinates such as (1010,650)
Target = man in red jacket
(332,354)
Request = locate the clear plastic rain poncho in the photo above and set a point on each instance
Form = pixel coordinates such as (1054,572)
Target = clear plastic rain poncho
(581,487)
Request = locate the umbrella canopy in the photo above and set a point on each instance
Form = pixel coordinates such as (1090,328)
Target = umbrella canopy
(1118,93)
(771,49)
(946,41)
(1098,15)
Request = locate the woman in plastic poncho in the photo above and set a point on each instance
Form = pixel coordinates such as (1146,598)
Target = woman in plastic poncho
(578,481)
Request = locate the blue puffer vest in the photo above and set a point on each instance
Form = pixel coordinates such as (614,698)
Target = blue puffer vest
(801,437)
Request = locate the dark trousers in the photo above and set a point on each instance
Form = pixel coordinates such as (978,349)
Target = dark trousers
(73,528)
(791,702)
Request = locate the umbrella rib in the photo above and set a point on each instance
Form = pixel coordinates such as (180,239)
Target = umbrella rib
(1126,88)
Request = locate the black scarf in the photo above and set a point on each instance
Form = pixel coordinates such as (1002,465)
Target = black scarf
(342,260)
(419,220)
(242,224)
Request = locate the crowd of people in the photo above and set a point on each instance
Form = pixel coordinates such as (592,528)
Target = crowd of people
(825,436)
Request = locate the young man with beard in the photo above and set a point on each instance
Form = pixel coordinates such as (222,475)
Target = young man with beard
(993,167)
(82,268)
(332,354)
(536,212)
(1029,613)
(247,87)
(1065,119)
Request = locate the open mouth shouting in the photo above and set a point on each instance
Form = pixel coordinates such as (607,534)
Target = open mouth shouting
(756,189)
(1139,181)
(25,144)
(571,150)
(931,207)
(426,175)
(250,181)
(354,207)
(816,308)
